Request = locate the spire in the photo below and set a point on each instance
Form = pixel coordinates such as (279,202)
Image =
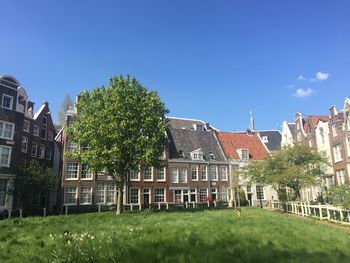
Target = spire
(252,125)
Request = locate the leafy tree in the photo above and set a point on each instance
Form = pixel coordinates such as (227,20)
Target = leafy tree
(32,185)
(340,195)
(122,127)
(66,104)
(293,168)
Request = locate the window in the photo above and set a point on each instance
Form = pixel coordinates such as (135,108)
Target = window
(337,150)
(161,174)
(50,136)
(322,135)
(43,133)
(177,196)
(100,193)
(203,194)
(223,173)
(70,195)
(214,193)
(34,149)
(334,130)
(174,175)
(72,171)
(243,154)
(44,120)
(111,193)
(42,151)
(159,195)
(6,130)
(340,177)
(147,174)
(7,101)
(193,195)
(260,192)
(134,175)
(249,189)
(134,195)
(213,173)
(85,174)
(183,175)
(5,156)
(48,153)
(265,139)
(197,155)
(36,130)
(86,195)
(223,195)
(194,173)
(3,191)
(204,173)
(71,145)
(24,146)
(26,125)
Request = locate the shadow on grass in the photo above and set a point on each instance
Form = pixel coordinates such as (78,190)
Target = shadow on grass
(227,249)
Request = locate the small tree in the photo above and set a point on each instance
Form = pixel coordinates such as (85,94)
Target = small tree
(66,104)
(122,128)
(340,195)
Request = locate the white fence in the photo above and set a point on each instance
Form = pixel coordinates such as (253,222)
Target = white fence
(322,212)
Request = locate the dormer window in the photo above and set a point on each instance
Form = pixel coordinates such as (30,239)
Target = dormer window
(199,127)
(212,156)
(243,154)
(181,154)
(197,155)
(44,120)
(265,139)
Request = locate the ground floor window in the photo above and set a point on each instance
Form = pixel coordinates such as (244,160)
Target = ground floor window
(159,195)
(134,195)
(203,195)
(193,195)
(259,192)
(3,191)
(111,190)
(100,193)
(214,193)
(105,193)
(223,195)
(86,195)
(177,196)
(70,195)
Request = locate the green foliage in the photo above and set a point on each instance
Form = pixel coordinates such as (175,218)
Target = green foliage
(293,167)
(121,126)
(32,185)
(201,236)
(66,104)
(340,195)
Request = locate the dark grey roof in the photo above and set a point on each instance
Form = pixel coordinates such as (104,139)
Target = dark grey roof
(274,139)
(292,127)
(190,140)
(188,124)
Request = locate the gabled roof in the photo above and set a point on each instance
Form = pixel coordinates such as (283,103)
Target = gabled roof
(292,128)
(232,141)
(188,124)
(313,120)
(187,141)
(274,138)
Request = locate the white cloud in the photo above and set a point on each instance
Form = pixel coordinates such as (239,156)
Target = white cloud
(322,75)
(290,86)
(302,93)
(301,77)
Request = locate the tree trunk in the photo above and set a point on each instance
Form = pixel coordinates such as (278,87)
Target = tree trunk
(120,199)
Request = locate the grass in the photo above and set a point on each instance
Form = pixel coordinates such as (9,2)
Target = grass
(199,236)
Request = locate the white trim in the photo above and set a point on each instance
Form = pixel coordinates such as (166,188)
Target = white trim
(197,172)
(9,159)
(177,175)
(2,101)
(161,180)
(138,195)
(28,125)
(64,195)
(147,180)
(38,129)
(86,203)
(26,144)
(12,133)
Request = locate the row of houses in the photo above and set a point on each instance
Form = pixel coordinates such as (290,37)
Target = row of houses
(197,160)
(330,136)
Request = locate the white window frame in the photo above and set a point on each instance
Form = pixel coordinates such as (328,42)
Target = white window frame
(201,195)
(337,150)
(215,192)
(9,158)
(71,171)
(114,192)
(223,195)
(223,171)
(88,174)
(183,175)
(149,179)
(43,129)
(41,151)
(334,130)
(24,126)
(340,176)
(4,192)
(138,195)
(164,174)
(193,191)
(100,193)
(4,123)
(197,155)
(24,142)
(204,168)
(36,149)
(157,195)
(215,169)
(36,130)
(2,101)
(134,179)
(76,195)
(194,168)
(89,202)
(172,175)
(262,190)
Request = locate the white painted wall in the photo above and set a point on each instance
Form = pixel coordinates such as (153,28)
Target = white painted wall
(287,137)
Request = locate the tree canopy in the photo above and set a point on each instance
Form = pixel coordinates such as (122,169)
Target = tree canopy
(122,127)
(293,168)
(66,104)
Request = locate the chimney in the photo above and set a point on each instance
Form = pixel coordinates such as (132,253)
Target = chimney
(252,124)
(333,111)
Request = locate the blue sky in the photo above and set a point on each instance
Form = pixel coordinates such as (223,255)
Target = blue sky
(210,60)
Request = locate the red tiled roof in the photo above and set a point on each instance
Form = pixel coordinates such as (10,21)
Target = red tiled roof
(314,120)
(231,141)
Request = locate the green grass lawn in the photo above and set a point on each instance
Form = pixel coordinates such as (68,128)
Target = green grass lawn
(200,236)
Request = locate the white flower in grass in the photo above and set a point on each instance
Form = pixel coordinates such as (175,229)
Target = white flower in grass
(92,237)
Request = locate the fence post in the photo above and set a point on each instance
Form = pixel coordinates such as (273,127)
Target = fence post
(208,203)
(9,213)
(140,207)
(131,207)
(214,203)
(328,214)
(186,204)
(20,212)
(320,209)
(167,205)
(66,210)
(341,215)
(44,211)
(158,206)
(99,208)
